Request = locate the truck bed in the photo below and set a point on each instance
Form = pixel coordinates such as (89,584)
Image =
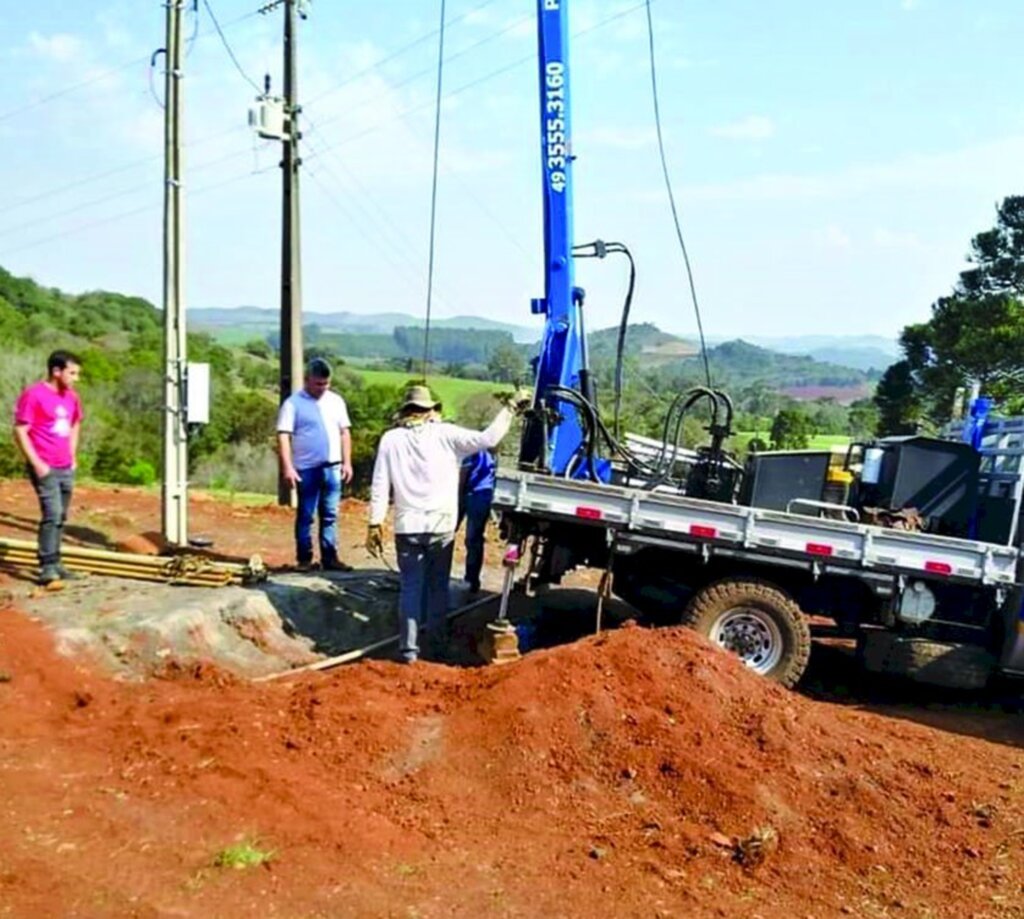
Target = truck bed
(697,525)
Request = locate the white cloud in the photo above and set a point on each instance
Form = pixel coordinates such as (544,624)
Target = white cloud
(522,28)
(835,237)
(617,138)
(970,167)
(753,127)
(115,33)
(60,47)
(363,55)
(908,6)
(893,239)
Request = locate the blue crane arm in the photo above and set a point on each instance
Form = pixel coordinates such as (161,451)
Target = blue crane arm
(562,359)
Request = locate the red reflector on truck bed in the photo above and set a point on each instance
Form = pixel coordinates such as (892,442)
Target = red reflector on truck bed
(818,548)
(938,567)
(588,513)
(703,532)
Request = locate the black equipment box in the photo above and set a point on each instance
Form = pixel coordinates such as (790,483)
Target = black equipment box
(939,478)
(772,480)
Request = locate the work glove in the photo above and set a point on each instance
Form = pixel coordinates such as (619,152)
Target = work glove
(521,400)
(375,540)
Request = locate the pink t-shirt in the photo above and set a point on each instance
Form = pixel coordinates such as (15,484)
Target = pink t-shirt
(50,416)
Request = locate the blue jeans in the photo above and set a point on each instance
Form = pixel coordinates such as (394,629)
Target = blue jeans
(476,506)
(319,494)
(54,492)
(424,565)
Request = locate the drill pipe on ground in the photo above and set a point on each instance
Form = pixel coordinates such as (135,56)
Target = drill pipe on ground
(178,569)
(143,573)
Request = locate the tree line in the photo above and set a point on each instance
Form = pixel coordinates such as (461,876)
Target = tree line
(974,337)
(120,342)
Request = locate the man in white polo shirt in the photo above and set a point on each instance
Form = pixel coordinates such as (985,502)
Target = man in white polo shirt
(316,458)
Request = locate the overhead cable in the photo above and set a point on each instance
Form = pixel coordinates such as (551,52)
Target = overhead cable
(671,195)
(433,192)
(227,47)
(99,77)
(512,65)
(398,52)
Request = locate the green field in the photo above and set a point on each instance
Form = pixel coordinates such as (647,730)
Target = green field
(235,336)
(817,441)
(452,391)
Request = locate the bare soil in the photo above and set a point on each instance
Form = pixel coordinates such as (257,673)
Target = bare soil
(636,773)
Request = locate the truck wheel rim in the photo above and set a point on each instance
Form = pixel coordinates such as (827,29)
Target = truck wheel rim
(750,634)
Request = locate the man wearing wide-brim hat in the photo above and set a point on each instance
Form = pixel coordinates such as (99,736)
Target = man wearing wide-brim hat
(417,466)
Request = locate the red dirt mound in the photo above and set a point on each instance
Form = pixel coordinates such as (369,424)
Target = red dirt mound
(639,773)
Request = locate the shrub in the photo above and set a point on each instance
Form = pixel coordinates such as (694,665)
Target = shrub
(141,472)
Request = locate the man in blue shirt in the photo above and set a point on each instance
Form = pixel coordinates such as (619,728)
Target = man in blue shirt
(475,497)
(316,458)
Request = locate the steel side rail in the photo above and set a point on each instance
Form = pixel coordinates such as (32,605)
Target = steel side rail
(696,522)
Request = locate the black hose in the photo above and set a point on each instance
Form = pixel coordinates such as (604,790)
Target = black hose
(599,249)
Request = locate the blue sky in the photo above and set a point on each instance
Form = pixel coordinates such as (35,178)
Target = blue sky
(831,161)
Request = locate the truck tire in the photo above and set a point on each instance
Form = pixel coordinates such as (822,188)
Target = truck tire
(936,663)
(758,622)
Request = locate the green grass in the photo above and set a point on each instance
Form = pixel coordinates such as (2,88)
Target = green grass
(242,855)
(452,391)
(243,498)
(826,441)
(817,441)
(235,336)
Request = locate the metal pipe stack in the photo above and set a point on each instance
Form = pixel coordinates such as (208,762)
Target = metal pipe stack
(169,569)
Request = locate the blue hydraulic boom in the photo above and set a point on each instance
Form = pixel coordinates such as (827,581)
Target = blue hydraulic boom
(554,436)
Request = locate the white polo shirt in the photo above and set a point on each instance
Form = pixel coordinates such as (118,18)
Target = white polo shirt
(315,426)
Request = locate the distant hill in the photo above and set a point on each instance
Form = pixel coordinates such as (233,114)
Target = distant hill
(643,340)
(804,367)
(864,352)
(747,363)
(256,322)
(734,364)
(859,352)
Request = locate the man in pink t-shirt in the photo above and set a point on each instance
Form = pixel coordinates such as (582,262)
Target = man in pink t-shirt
(47,420)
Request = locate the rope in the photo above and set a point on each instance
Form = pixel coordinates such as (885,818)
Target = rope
(433,192)
(671,196)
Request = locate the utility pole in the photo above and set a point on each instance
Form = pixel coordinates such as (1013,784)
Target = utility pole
(174,505)
(291,252)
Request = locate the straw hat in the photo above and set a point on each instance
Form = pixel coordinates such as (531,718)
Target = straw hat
(420,397)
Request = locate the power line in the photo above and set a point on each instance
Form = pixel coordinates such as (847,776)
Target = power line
(152,76)
(398,52)
(399,233)
(227,47)
(6,208)
(235,154)
(190,42)
(381,215)
(106,173)
(412,274)
(671,195)
(466,86)
(391,87)
(433,192)
(98,77)
(138,210)
(57,94)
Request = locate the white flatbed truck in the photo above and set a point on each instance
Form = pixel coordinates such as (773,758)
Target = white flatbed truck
(938,609)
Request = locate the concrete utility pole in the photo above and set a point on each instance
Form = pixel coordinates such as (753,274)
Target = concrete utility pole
(174,506)
(291,252)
